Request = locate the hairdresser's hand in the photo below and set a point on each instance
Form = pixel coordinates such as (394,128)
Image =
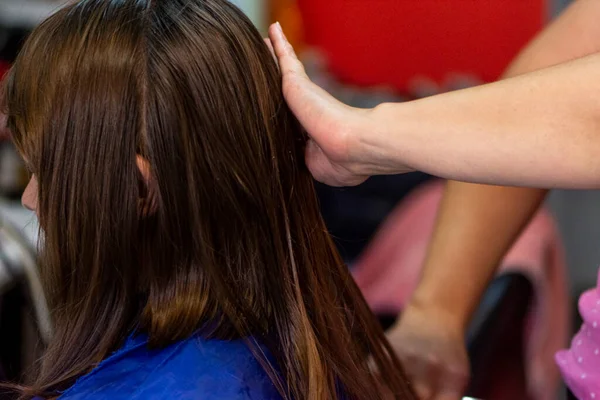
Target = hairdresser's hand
(431,346)
(336,154)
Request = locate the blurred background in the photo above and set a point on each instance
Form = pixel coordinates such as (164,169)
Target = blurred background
(364,53)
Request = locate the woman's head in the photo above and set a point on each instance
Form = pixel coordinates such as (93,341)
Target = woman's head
(172,196)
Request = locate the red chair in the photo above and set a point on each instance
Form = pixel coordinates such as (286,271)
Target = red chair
(391,41)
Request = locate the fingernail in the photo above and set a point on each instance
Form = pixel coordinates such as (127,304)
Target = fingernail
(280,30)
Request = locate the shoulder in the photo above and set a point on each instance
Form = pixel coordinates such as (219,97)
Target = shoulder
(191,369)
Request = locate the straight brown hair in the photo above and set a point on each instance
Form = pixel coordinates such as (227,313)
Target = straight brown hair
(235,245)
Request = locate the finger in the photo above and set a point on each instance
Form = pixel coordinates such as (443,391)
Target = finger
(422,375)
(423,380)
(452,384)
(270,46)
(423,390)
(448,396)
(319,113)
(288,61)
(305,99)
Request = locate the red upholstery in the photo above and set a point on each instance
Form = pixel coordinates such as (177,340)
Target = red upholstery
(371,42)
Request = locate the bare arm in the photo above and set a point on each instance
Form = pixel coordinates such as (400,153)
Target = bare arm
(478,223)
(471,214)
(536,130)
(476,226)
(540,130)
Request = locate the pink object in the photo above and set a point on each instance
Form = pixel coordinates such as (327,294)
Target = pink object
(580,365)
(389,271)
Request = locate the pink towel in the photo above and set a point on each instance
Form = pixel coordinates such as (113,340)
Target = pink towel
(390,268)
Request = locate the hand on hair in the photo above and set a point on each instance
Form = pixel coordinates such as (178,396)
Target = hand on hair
(432,350)
(336,153)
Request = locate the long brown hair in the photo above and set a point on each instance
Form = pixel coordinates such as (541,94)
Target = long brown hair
(236,243)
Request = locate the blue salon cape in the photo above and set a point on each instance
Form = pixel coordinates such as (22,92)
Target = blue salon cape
(195,368)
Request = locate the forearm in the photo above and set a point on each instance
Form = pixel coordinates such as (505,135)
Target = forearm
(457,271)
(540,130)
(476,226)
(574,34)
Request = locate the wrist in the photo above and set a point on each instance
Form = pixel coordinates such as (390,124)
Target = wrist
(381,140)
(455,313)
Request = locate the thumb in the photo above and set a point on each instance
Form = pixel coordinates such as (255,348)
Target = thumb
(270,47)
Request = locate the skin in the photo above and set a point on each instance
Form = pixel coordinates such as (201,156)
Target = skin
(348,145)
(509,132)
(429,336)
